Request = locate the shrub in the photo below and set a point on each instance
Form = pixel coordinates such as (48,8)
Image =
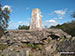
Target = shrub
(23,27)
(67,27)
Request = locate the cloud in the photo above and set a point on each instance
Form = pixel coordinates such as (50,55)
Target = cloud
(27,8)
(42,16)
(60,12)
(52,22)
(19,21)
(7,6)
(23,23)
(14,25)
(59,18)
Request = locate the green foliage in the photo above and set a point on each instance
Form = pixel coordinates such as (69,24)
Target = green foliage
(48,40)
(30,55)
(73,14)
(3,46)
(24,27)
(62,37)
(31,45)
(38,46)
(24,45)
(67,27)
(27,45)
(1,32)
(66,45)
(4,18)
(14,49)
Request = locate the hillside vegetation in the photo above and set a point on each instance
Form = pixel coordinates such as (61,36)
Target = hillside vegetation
(67,27)
(21,27)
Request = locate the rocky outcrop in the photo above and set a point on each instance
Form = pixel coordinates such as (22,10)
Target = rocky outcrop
(67,45)
(14,36)
(27,42)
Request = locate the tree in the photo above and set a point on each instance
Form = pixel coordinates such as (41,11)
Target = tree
(23,27)
(67,27)
(73,14)
(4,18)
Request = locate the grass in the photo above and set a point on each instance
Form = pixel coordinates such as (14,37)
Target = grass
(31,45)
(1,32)
(23,45)
(37,46)
(48,40)
(30,55)
(14,49)
(62,37)
(3,46)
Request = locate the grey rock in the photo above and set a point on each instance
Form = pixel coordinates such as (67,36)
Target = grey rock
(13,36)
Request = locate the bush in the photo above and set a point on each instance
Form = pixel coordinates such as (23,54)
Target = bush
(67,27)
(23,27)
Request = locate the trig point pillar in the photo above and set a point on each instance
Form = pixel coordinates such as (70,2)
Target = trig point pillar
(36,20)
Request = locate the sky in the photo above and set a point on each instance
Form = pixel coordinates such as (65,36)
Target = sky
(53,12)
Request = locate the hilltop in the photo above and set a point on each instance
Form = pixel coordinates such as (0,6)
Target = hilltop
(35,43)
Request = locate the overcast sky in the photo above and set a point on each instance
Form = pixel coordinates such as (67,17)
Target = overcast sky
(53,12)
